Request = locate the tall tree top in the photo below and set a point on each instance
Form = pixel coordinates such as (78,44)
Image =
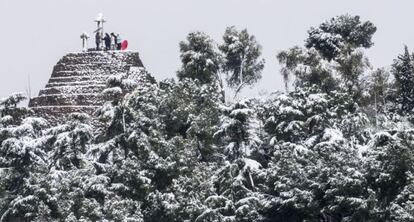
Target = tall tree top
(242,60)
(199,58)
(339,33)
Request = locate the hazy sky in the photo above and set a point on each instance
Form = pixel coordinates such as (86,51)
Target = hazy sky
(36,34)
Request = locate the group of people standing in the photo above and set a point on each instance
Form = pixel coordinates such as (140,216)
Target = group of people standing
(111,41)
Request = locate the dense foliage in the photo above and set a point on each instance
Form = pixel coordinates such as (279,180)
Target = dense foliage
(175,151)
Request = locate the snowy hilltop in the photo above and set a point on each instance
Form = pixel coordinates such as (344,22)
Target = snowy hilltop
(337,146)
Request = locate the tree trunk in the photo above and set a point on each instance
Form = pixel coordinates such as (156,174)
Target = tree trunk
(242,58)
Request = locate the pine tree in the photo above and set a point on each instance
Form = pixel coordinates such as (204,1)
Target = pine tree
(191,110)
(113,112)
(10,112)
(71,144)
(234,130)
(402,208)
(389,163)
(23,163)
(403,71)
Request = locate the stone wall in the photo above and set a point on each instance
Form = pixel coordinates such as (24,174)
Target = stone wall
(78,79)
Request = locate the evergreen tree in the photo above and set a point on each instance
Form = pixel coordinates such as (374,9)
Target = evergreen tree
(71,143)
(402,208)
(234,130)
(113,112)
(10,112)
(23,162)
(191,110)
(389,163)
(403,71)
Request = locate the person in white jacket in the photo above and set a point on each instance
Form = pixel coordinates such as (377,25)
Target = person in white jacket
(118,41)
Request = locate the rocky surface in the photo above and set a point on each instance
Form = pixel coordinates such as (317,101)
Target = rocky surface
(78,79)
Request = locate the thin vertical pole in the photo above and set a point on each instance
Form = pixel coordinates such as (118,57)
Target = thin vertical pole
(102,33)
(30,88)
(376,109)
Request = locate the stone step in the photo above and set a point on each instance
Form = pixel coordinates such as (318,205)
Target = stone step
(94,70)
(88,89)
(97,54)
(94,66)
(76,83)
(100,78)
(129,57)
(55,113)
(91,54)
(82,58)
(85,60)
(64,73)
(88,67)
(69,99)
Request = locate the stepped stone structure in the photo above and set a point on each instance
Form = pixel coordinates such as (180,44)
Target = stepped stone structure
(78,79)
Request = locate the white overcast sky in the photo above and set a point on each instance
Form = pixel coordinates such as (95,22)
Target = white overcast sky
(34,35)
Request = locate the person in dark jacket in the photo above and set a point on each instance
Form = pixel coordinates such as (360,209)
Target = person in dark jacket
(114,40)
(98,40)
(107,41)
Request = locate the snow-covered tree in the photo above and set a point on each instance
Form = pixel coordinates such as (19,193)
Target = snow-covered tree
(402,208)
(113,113)
(234,130)
(10,113)
(333,57)
(307,67)
(351,67)
(379,88)
(199,58)
(71,144)
(403,71)
(23,161)
(389,162)
(340,34)
(341,39)
(191,110)
(242,61)
(174,151)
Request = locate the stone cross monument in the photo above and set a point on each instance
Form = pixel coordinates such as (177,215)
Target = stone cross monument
(100,25)
(84,38)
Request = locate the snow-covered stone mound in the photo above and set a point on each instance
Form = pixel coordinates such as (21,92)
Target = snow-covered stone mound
(78,79)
